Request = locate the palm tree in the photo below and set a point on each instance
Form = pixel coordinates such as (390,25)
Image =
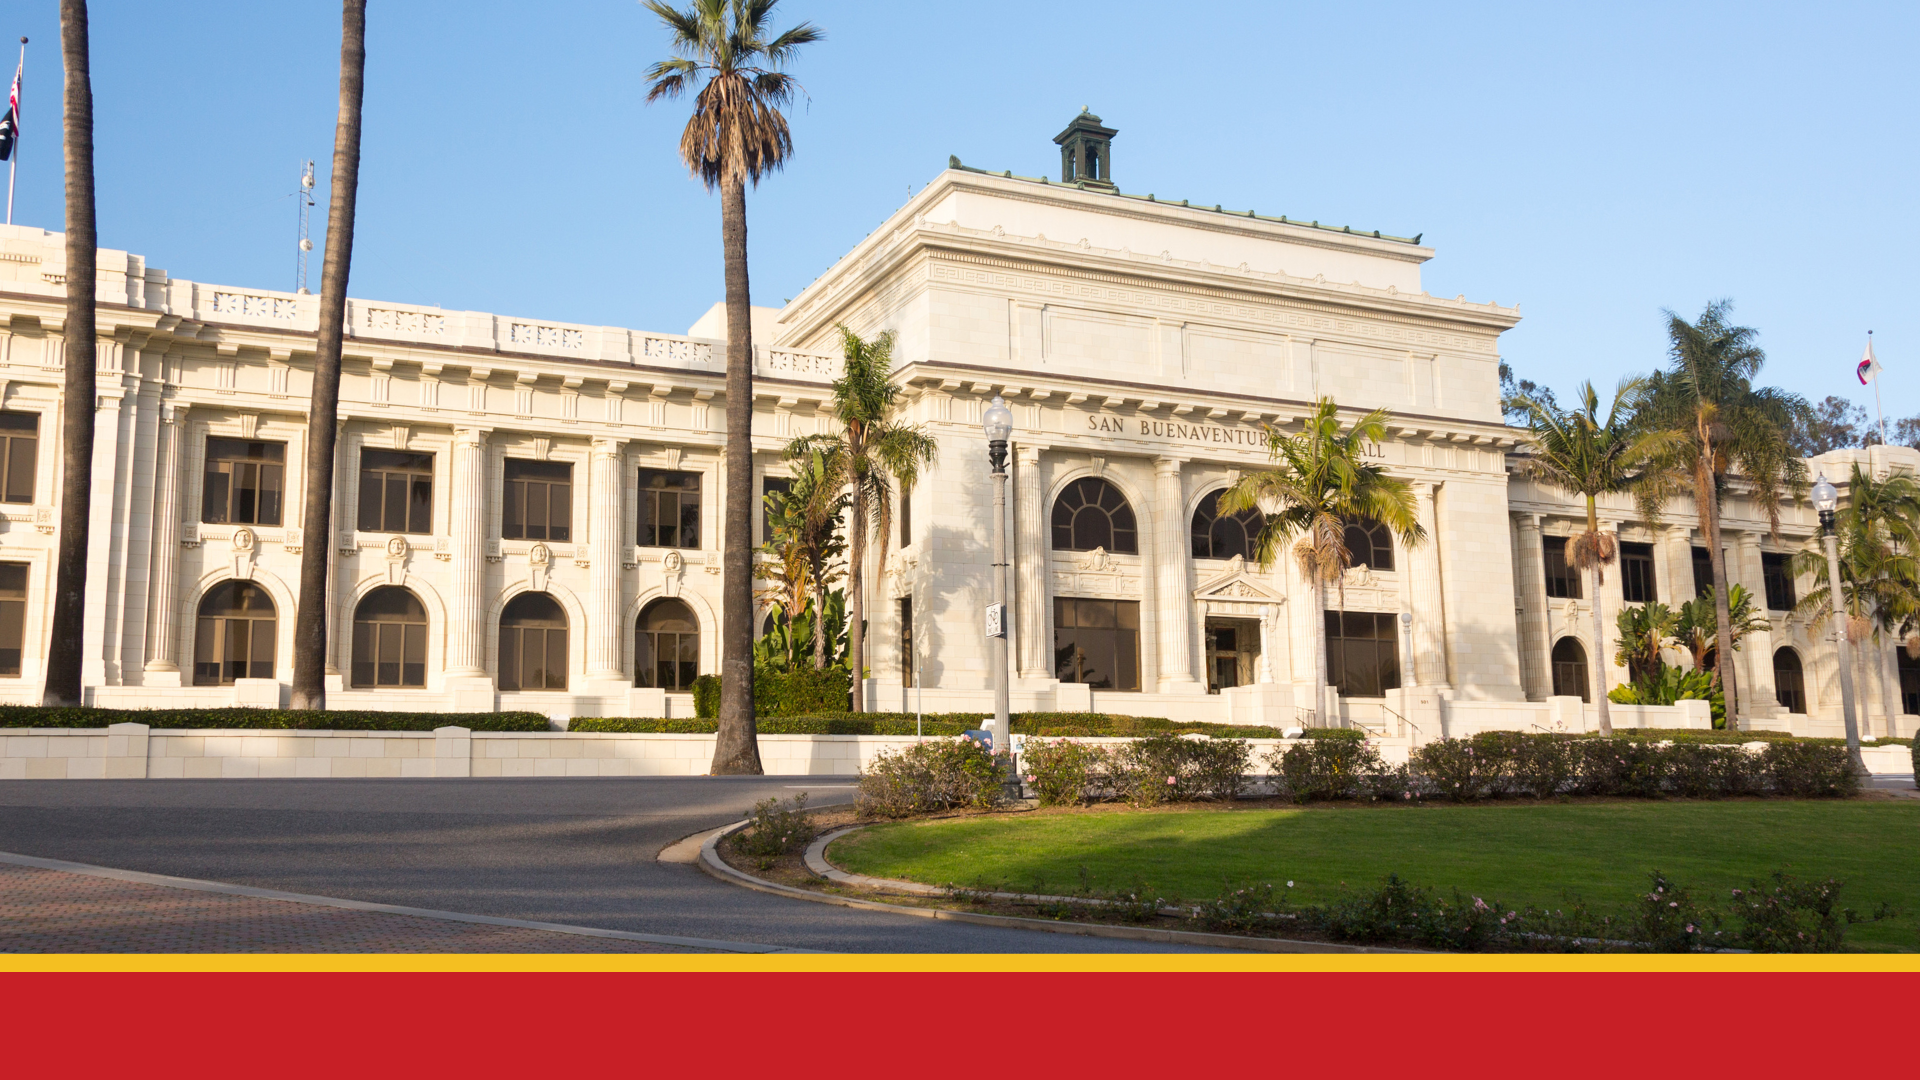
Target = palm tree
(1698,626)
(1720,425)
(805,525)
(65,651)
(1879,571)
(1323,481)
(875,453)
(736,134)
(1582,454)
(309,689)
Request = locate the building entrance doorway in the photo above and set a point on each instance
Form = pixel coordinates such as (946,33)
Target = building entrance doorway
(1233,653)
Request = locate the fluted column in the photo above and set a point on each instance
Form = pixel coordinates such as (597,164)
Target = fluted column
(1535,672)
(1756,650)
(1173,577)
(1031,547)
(1429,611)
(466,529)
(163,645)
(1682,587)
(603,544)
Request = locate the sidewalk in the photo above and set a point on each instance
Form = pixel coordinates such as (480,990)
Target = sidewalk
(54,911)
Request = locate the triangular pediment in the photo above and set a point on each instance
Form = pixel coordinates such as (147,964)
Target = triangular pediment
(1238,583)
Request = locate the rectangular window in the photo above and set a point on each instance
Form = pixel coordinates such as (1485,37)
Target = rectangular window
(1636,574)
(538,502)
(1778,572)
(245,479)
(769,484)
(1563,582)
(396,492)
(1097,642)
(1363,653)
(1702,572)
(669,509)
(19,453)
(13,618)
(906,641)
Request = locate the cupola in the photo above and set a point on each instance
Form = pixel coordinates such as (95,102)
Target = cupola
(1086,153)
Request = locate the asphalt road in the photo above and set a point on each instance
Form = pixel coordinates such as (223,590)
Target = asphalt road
(579,851)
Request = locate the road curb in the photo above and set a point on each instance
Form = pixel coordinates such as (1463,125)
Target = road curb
(711,862)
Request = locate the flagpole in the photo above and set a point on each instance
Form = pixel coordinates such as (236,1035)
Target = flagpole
(1878,411)
(13,166)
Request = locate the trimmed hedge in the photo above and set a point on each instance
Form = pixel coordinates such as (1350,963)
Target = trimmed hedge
(1049,724)
(35,716)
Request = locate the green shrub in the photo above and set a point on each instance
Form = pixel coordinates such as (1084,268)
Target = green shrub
(18,716)
(801,691)
(1668,920)
(1150,771)
(1455,769)
(939,774)
(1808,770)
(777,828)
(1315,769)
(1060,771)
(1915,746)
(1618,767)
(1216,769)
(1542,766)
(1791,917)
(706,696)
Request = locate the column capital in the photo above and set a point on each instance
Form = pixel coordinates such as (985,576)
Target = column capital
(471,436)
(1025,454)
(1528,522)
(1167,464)
(1424,489)
(608,445)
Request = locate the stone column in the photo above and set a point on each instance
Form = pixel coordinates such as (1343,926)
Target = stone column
(603,545)
(163,644)
(1031,549)
(1535,674)
(1173,577)
(466,528)
(1681,586)
(106,467)
(1423,578)
(1756,649)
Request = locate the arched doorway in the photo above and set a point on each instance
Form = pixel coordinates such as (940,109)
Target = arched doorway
(666,646)
(533,643)
(1570,670)
(1790,682)
(235,636)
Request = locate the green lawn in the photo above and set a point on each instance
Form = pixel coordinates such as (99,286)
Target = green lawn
(1519,853)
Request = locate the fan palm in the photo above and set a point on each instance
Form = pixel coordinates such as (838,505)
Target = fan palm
(64,649)
(727,56)
(1582,454)
(1879,571)
(875,454)
(1720,424)
(1321,481)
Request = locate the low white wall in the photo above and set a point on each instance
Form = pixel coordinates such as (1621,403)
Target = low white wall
(132,751)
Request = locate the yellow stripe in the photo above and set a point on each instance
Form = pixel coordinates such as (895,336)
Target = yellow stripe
(465,962)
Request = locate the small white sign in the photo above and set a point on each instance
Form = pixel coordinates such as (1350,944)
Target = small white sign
(996,620)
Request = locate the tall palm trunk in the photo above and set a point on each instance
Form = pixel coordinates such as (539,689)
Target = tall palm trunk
(1599,625)
(819,625)
(736,749)
(323,416)
(65,646)
(1320,653)
(1723,666)
(856,584)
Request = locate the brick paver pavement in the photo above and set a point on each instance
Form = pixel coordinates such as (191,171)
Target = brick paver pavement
(53,911)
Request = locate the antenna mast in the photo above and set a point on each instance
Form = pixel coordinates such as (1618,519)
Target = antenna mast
(305,195)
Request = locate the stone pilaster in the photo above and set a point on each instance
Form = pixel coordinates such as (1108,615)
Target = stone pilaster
(100,538)
(1429,614)
(603,545)
(466,530)
(1173,577)
(1535,673)
(1681,587)
(1756,649)
(1031,546)
(163,644)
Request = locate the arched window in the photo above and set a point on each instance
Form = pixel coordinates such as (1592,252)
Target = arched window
(389,639)
(1369,544)
(533,644)
(1092,513)
(1790,684)
(1216,537)
(1570,670)
(666,646)
(235,636)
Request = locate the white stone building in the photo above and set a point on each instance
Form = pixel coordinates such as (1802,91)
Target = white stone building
(528,511)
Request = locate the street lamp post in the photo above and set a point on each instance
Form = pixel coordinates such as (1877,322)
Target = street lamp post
(1826,500)
(998,423)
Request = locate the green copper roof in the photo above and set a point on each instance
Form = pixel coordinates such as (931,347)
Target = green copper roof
(1105,189)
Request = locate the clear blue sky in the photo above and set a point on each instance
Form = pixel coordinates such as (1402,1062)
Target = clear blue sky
(1593,163)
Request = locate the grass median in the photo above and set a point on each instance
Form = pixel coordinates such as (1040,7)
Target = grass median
(1539,854)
